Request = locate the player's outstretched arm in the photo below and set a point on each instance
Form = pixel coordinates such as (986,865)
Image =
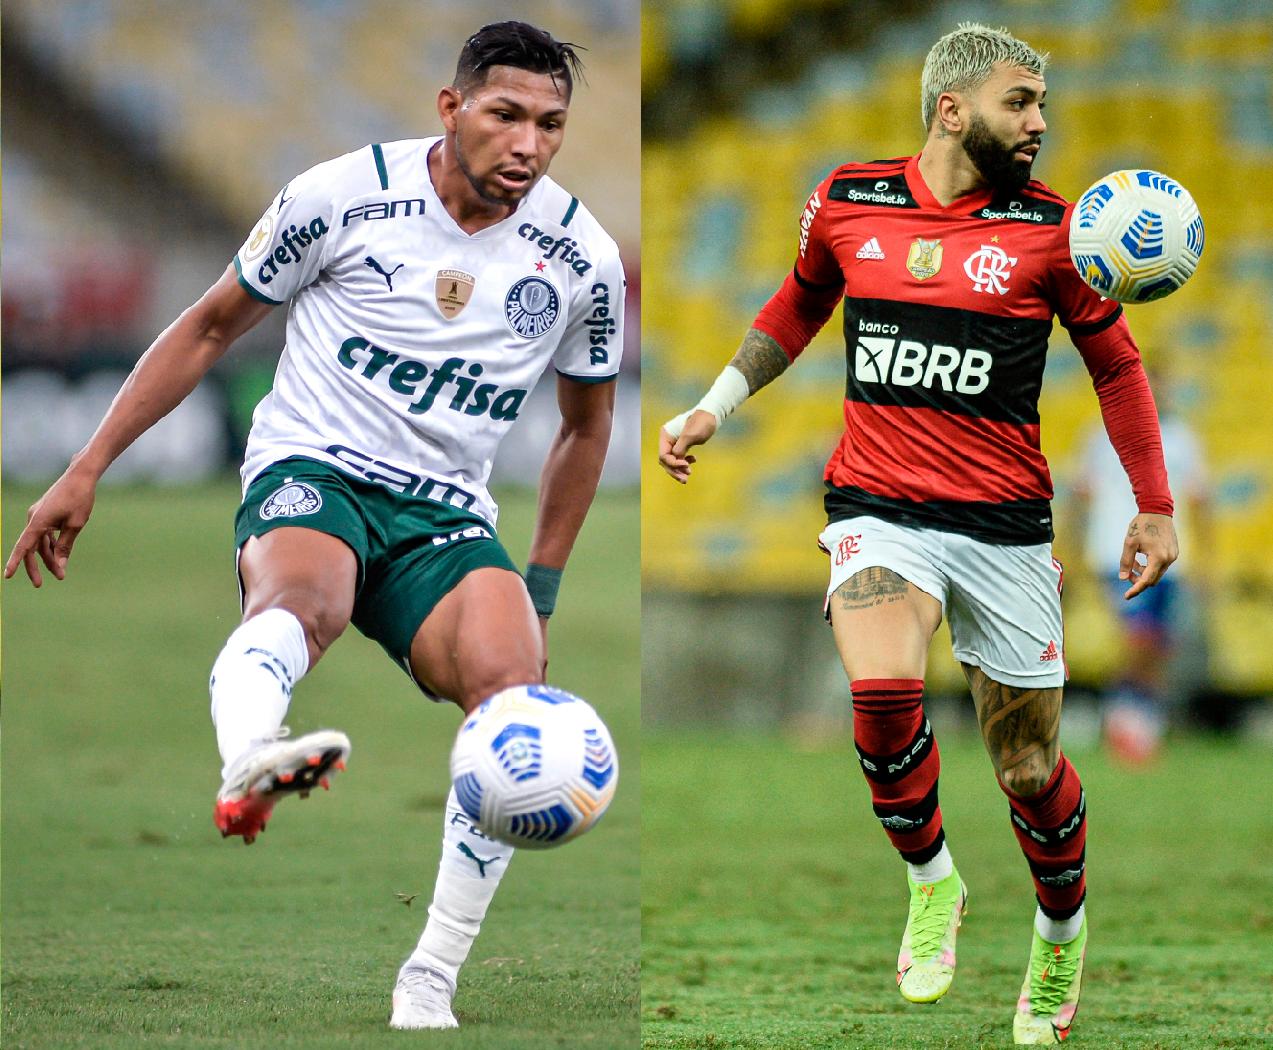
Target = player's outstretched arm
(1154,536)
(758,362)
(163,377)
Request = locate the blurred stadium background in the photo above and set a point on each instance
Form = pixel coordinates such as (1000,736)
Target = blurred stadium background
(748,103)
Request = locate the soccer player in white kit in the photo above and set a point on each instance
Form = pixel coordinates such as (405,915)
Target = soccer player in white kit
(431,282)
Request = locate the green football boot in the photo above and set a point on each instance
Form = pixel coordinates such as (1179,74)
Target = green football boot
(1050,995)
(926,962)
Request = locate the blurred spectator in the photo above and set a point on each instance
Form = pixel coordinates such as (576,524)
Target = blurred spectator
(1151,684)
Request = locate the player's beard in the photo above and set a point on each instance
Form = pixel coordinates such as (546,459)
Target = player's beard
(490,192)
(996,162)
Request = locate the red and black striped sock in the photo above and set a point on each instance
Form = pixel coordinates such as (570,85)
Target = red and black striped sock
(1052,829)
(898,753)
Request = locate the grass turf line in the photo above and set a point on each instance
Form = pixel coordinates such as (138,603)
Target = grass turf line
(772,905)
(128,921)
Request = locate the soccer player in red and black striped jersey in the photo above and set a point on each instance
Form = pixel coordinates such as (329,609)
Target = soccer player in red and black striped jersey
(951,266)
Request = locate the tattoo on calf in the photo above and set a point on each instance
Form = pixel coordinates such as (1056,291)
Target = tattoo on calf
(870,588)
(1021,728)
(760,359)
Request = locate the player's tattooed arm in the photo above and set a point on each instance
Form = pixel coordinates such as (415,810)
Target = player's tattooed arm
(1021,729)
(760,359)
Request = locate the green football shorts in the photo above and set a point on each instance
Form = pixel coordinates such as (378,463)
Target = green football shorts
(411,550)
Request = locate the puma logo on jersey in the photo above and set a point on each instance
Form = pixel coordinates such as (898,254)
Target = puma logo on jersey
(369,261)
(453,383)
(904,362)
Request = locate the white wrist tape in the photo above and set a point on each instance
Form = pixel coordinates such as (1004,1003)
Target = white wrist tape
(728,392)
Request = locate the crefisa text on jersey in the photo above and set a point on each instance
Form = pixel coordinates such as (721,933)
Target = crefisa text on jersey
(470,397)
(294,238)
(566,248)
(601,324)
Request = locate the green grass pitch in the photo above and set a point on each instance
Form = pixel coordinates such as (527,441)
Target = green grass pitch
(772,905)
(129,922)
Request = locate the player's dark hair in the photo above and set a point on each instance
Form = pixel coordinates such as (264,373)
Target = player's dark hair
(518,45)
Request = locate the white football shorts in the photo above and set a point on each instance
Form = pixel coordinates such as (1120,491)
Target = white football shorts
(1003,603)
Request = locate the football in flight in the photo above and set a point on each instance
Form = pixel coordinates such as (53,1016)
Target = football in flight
(1136,236)
(534,766)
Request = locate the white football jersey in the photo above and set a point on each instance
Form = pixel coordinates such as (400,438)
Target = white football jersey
(412,345)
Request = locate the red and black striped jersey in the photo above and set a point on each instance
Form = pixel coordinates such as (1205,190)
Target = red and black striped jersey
(947,315)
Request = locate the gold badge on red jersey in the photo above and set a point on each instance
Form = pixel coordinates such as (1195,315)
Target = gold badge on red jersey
(924,259)
(453,289)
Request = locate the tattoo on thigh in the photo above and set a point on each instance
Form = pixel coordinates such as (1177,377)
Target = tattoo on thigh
(870,588)
(1021,728)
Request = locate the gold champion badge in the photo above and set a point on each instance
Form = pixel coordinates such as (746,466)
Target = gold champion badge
(453,289)
(924,258)
(261,238)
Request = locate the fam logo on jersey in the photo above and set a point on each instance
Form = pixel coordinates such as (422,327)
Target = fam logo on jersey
(532,307)
(454,381)
(989,269)
(806,220)
(453,289)
(373,210)
(291,501)
(565,248)
(905,362)
(924,259)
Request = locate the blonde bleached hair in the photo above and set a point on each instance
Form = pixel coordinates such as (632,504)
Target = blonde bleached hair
(964,59)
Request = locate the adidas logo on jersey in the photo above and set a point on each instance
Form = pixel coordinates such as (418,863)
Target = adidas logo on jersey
(407,376)
(871,250)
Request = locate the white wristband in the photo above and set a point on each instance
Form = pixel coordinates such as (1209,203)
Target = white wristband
(728,392)
(676,424)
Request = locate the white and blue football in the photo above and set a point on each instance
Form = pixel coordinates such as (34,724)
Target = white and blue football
(534,766)
(1136,236)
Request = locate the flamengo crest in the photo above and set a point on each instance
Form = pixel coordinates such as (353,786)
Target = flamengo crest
(989,269)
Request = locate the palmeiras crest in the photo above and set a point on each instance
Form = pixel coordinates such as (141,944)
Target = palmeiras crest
(532,307)
(291,501)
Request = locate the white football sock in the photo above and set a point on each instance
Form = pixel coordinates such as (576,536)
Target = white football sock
(252,680)
(1059,931)
(468,876)
(933,870)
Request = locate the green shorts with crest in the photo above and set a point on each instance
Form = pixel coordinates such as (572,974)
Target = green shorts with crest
(411,550)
